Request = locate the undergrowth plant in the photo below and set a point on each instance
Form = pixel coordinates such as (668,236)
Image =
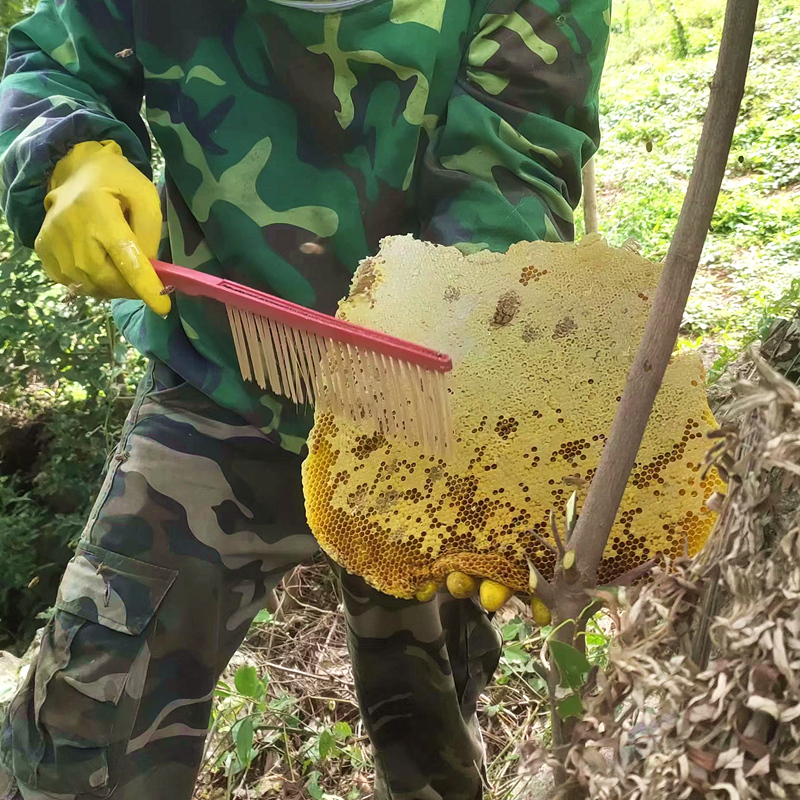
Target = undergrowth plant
(652,108)
(66,382)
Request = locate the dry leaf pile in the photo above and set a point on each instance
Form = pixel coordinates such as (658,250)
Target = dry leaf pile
(701,698)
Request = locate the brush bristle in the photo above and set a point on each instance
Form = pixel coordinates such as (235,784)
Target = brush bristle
(399,399)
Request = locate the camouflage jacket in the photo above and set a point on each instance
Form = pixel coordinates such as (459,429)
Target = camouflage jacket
(461,121)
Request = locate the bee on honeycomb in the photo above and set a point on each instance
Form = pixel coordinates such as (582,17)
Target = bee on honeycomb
(542,339)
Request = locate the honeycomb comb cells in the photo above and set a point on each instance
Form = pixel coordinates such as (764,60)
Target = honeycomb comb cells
(541,340)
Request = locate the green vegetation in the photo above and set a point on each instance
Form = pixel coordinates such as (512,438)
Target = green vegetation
(66,380)
(655,90)
(10,12)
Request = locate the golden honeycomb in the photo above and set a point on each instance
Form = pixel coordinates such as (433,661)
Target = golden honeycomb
(541,339)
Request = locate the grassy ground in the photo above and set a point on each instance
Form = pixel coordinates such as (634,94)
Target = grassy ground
(286,723)
(653,101)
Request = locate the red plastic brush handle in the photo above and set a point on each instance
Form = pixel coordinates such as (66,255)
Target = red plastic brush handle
(192,282)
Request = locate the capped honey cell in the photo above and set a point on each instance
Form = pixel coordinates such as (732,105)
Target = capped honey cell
(531,414)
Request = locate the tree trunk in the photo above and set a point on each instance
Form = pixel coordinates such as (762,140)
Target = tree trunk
(571,603)
(655,349)
(589,538)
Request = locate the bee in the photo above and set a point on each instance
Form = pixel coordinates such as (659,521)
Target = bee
(312,248)
(72,293)
(507,308)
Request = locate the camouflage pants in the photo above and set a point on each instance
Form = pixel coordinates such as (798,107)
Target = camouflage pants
(198,518)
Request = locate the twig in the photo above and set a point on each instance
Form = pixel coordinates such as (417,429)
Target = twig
(325,646)
(333,700)
(544,589)
(319,675)
(241,782)
(590,220)
(556,535)
(708,607)
(229,785)
(627,578)
(289,759)
(511,741)
(298,731)
(542,541)
(296,602)
(522,679)
(209,737)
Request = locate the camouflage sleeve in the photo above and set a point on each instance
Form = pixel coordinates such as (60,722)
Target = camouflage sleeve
(67,80)
(505,163)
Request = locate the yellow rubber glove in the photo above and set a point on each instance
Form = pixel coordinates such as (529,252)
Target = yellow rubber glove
(102,226)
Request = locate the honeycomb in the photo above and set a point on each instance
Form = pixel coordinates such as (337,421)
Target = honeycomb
(542,339)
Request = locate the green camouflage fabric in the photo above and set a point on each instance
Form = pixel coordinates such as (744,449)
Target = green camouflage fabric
(199,516)
(464,122)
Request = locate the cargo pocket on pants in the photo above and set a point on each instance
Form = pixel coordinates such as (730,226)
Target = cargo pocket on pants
(68,728)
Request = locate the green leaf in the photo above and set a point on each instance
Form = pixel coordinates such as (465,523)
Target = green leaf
(327,744)
(282,704)
(232,764)
(515,654)
(244,741)
(570,706)
(572,664)
(223,690)
(263,617)
(342,730)
(511,630)
(247,682)
(313,787)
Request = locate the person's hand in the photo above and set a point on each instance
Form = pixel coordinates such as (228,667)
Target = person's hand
(493,595)
(102,226)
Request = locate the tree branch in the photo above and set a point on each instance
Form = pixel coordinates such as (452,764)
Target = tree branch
(590,220)
(556,534)
(597,516)
(542,541)
(607,487)
(544,589)
(627,578)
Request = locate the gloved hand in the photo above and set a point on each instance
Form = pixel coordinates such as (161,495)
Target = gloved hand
(102,226)
(493,595)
